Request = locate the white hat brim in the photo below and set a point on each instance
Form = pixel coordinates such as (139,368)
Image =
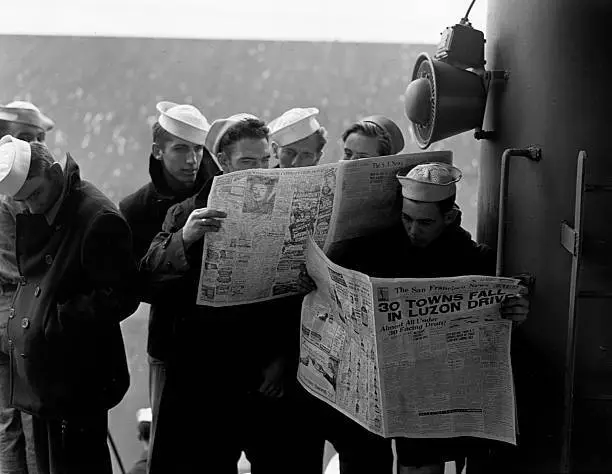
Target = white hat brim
(15,162)
(32,117)
(180,128)
(295,131)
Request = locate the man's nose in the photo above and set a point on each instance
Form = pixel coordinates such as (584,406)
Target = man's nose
(191,157)
(296,160)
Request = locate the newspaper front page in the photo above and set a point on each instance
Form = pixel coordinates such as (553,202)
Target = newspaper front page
(441,366)
(257,253)
(444,357)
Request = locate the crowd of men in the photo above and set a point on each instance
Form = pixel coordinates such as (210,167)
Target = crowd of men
(73,266)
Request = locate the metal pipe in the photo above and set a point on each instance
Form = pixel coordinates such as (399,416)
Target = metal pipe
(534,154)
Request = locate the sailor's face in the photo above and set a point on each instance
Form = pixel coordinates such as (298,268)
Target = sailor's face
(302,153)
(27,133)
(181,159)
(423,222)
(39,193)
(359,146)
(245,154)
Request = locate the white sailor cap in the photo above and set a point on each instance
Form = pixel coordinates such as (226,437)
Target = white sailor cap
(220,127)
(144,414)
(294,125)
(184,121)
(20,111)
(15,157)
(429,182)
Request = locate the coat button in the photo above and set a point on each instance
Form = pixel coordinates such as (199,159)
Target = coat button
(48,259)
(37,291)
(25,323)
(11,313)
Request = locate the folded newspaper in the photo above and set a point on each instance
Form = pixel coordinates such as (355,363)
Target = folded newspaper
(418,358)
(257,253)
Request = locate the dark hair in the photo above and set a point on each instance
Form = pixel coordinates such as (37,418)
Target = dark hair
(247,128)
(5,127)
(372,130)
(161,136)
(144,431)
(322,137)
(41,160)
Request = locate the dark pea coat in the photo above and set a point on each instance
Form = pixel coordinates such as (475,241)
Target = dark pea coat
(66,348)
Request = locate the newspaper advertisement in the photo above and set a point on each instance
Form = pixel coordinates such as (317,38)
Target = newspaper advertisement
(338,356)
(441,366)
(257,253)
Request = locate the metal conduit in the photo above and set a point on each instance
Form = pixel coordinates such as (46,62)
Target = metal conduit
(533,153)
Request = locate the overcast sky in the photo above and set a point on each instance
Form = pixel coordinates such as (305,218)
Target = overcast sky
(403,21)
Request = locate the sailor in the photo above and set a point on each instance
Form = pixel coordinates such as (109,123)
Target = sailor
(297,138)
(179,165)
(427,242)
(67,357)
(25,121)
(375,135)
(231,360)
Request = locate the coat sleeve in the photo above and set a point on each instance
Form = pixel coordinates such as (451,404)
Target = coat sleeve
(166,259)
(8,259)
(108,261)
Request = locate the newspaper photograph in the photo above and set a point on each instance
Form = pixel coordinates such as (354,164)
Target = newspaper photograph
(441,366)
(257,253)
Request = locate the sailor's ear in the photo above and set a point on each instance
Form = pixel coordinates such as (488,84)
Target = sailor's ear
(450,216)
(157,151)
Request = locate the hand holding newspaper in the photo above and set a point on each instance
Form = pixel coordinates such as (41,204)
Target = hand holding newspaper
(422,358)
(257,253)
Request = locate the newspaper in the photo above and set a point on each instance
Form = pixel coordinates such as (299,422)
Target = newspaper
(258,251)
(418,358)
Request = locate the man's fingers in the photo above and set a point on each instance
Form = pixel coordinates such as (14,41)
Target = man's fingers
(206,212)
(265,387)
(210,222)
(306,287)
(515,305)
(514,314)
(515,300)
(305,283)
(275,391)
